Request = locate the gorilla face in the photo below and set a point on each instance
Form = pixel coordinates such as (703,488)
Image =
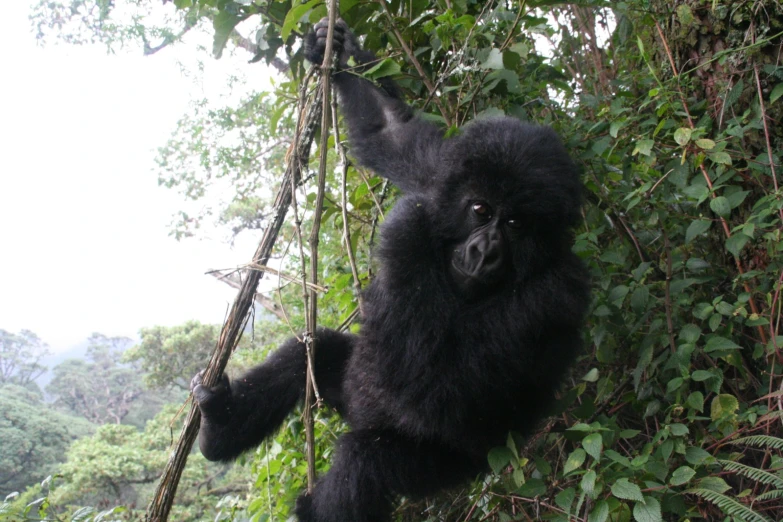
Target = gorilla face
(481,263)
(511,195)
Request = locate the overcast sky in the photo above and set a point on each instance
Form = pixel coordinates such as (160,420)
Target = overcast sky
(84,243)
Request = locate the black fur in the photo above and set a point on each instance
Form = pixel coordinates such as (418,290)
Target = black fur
(468,328)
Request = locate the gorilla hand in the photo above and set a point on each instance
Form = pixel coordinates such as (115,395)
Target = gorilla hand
(214,402)
(344,44)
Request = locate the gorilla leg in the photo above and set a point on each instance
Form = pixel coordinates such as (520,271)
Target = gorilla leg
(238,415)
(371,467)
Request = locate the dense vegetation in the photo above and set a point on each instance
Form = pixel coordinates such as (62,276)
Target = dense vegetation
(675,412)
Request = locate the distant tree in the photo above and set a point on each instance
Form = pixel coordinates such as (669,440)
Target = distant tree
(33,437)
(119,465)
(20,356)
(101,389)
(169,356)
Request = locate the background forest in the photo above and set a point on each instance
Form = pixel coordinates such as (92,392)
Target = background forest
(671,108)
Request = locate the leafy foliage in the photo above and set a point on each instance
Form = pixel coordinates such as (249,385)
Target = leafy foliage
(170,356)
(119,464)
(33,437)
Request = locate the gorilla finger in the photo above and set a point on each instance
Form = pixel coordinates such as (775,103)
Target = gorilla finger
(202,394)
(196,380)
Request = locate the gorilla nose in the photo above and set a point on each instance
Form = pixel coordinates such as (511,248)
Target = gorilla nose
(485,255)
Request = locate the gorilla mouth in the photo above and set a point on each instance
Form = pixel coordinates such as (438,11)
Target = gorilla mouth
(471,285)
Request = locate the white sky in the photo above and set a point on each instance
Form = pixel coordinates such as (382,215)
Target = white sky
(83,223)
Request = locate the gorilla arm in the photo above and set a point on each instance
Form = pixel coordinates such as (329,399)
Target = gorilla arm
(385,135)
(237,416)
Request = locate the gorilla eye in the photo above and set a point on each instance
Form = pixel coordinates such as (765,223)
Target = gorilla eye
(482,209)
(515,223)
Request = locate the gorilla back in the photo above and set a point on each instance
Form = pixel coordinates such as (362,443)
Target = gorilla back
(468,328)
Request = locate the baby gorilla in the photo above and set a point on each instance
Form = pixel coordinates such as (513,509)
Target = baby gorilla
(468,328)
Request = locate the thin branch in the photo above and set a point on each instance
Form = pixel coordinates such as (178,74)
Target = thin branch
(312,315)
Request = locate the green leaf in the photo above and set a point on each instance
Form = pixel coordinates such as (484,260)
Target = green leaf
(705,144)
(647,511)
(294,15)
(777,92)
(565,498)
(223,23)
(387,67)
(574,461)
(715,321)
(615,127)
(593,445)
(639,299)
(723,405)
(701,375)
(681,475)
(625,490)
(678,430)
(499,458)
(519,476)
(674,384)
(533,487)
(736,243)
(690,333)
(616,457)
(697,228)
(697,456)
(600,512)
(717,342)
(715,484)
(617,295)
(509,77)
(588,483)
(493,61)
(736,199)
(591,376)
(721,206)
(696,401)
(643,147)
(682,136)
(678,285)
(720,157)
